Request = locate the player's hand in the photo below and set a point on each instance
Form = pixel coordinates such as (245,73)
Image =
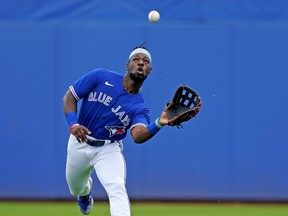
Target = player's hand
(163,118)
(80,131)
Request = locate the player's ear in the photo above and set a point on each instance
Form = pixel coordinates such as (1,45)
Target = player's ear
(150,70)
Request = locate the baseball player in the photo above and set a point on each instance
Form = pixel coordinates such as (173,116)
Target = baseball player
(112,103)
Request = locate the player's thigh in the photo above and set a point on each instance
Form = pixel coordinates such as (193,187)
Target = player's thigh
(78,163)
(111,165)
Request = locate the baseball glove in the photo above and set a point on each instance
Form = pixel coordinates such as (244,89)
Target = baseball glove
(184,106)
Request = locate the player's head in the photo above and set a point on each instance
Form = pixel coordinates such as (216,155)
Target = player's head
(140,50)
(139,64)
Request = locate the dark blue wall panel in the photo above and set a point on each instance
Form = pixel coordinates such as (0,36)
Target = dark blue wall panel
(235,149)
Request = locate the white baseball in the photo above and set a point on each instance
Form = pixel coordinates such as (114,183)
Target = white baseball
(154,16)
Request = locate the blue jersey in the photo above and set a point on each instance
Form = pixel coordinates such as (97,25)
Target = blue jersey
(107,109)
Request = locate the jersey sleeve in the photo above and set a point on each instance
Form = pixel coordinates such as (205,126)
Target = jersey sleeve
(143,118)
(85,84)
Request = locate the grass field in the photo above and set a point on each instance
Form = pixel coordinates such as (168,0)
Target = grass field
(143,209)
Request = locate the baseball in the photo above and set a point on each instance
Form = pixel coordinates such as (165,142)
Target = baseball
(154,16)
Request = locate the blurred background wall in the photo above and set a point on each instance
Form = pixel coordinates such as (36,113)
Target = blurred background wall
(234,53)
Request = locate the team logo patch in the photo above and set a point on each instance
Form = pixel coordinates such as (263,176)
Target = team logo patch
(115,130)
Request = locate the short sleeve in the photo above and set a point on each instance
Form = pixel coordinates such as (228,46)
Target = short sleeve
(86,84)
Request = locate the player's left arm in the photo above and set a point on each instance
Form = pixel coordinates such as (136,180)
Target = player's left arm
(141,133)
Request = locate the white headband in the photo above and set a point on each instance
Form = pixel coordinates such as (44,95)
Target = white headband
(141,50)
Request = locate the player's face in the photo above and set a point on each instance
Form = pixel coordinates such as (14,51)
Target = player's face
(139,67)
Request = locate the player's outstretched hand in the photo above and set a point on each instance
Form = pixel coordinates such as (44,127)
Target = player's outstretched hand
(80,132)
(164,118)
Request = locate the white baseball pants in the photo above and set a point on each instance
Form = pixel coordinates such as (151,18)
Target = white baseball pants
(110,167)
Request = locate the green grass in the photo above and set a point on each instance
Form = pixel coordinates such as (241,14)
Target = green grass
(143,209)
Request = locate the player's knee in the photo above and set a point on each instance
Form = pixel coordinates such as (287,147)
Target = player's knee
(117,186)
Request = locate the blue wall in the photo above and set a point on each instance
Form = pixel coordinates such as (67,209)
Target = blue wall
(235,58)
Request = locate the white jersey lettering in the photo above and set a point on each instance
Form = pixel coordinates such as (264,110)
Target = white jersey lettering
(126,120)
(107,100)
(117,109)
(92,96)
(102,98)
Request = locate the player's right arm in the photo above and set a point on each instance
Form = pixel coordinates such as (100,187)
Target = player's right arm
(69,102)
(70,110)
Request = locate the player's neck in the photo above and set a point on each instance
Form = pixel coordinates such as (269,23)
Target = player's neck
(130,86)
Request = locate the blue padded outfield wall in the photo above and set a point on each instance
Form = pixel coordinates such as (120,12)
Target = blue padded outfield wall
(234,53)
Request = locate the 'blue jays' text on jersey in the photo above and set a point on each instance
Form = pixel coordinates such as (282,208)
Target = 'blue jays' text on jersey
(107,109)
